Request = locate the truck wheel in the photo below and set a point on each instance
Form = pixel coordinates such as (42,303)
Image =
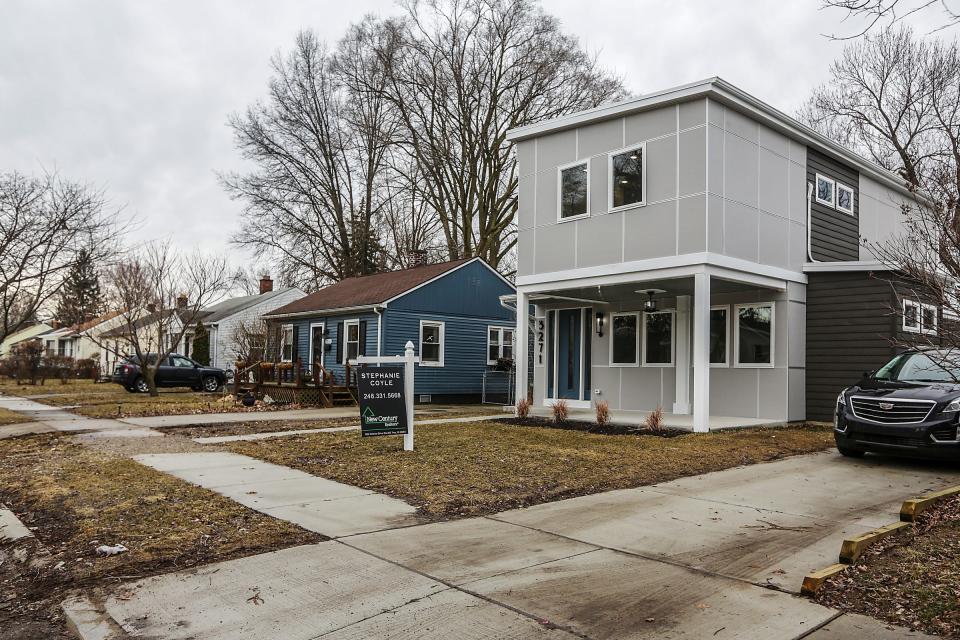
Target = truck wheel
(210,384)
(140,385)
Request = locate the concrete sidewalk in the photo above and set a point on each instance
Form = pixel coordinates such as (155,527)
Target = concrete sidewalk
(47,418)
(713,556)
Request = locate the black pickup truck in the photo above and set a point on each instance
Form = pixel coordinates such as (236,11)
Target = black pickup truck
(174,371)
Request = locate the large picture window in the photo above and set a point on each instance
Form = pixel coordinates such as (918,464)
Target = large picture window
(719,329)
(499,344)
(624,339)
(658,338)
(431,343)
(754,334)
(627,184)
(574,190)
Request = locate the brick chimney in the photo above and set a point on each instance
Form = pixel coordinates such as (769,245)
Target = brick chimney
(182,301)
(266,284)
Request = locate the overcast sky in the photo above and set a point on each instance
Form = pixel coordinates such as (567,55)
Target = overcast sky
(134,96)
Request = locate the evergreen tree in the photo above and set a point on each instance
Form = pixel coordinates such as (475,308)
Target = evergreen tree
(201,345)
(80,299)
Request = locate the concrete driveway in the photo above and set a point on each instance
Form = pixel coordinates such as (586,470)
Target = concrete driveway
(713,556)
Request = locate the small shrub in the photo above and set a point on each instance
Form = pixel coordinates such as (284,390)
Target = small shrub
(523,408)
(560,411)
(603,412)
(654,421)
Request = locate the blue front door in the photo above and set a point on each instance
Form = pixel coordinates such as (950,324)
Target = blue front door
(569,332)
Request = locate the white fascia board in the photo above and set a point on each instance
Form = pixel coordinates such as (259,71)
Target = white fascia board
(685,265)
(849,265)
(322,312)
(725,93)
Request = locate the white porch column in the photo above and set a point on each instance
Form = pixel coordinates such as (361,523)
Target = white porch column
(701,352)
(520,347)
(681,403)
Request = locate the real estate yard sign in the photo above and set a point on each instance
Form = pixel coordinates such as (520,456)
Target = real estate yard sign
(383,405)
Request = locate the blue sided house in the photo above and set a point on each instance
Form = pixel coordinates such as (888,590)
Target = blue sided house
(451,311)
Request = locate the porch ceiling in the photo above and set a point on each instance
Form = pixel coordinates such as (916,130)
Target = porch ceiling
(618,293)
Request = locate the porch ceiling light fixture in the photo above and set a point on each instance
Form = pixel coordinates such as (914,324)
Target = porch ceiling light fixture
(650,305)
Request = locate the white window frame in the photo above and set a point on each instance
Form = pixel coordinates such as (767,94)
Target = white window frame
(323,339)
(836,195)
(673,338)
(726,330)
(816,191)
(936,319)
(432,323)
(500,331)
(637,347)
(283,338)
(736,335)
(346,338)
(560,171)
(919,315)
(643,177)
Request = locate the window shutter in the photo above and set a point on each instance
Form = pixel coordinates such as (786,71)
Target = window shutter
(295,349)
(362,348)
(339,342)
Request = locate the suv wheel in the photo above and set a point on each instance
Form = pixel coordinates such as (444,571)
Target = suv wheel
(210,384)
(851,453)
(140,385)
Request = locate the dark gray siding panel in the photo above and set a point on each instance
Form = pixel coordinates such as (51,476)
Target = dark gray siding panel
(850,329)
(835,235)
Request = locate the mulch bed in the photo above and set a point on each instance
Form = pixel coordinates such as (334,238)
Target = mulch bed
(911,579)
(609,429)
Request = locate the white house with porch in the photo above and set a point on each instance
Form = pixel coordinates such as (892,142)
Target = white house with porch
(665,244)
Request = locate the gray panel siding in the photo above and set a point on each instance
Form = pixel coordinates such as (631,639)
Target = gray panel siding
(835,235)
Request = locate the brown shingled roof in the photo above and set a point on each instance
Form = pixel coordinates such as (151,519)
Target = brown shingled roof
(367,290)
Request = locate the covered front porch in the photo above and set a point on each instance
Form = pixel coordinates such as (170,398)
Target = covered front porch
(712,347)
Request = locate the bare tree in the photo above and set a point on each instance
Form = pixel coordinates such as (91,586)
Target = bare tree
(161,293)
(313,203)
(46,225)
(248,340)
(896,99)
(881,13)
(460,74)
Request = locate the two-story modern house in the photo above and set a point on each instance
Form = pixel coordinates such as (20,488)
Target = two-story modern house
(697,250)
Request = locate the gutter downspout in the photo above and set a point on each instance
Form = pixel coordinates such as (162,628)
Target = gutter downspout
(810,223)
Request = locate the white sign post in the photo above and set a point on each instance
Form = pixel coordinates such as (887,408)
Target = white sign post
(409,360)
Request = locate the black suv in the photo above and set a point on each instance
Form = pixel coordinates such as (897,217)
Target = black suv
(174,371)
(910,406)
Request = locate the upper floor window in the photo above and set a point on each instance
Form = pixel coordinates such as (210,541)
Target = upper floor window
(844,198)
(826,191)
(431,343)
(627,183)
(574,190)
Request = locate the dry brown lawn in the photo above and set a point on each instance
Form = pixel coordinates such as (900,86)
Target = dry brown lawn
(76,498)
(470,469)
(11,417)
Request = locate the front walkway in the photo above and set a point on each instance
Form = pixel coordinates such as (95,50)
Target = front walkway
(714,556)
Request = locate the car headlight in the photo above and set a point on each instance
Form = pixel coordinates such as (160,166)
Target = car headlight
(841,401)
(953,407)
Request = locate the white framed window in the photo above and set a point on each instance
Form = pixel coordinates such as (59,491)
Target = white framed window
(573,191)
(911,316)
(627,169)
(753,334)
(658,339)
(499,344)
(844,198)
(318,338)
(920,317)
(826,191)
(624,339)
(719,336)
(928,319)
(286,343)
(431,343)
(351,340)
